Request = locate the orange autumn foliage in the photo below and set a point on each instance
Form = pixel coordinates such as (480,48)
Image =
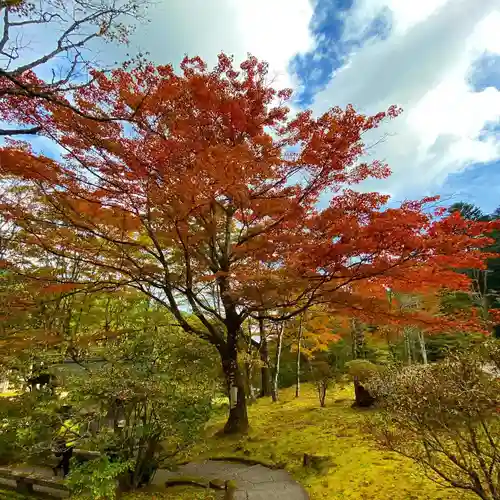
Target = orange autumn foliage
(205,158)
(198,201)
(317,328)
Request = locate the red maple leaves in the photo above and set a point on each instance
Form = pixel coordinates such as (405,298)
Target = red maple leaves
(196,191)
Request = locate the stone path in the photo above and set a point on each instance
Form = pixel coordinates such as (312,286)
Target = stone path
(254,482)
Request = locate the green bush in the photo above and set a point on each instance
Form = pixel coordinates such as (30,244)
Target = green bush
(362,369)
(97,479)
(27,423)
(324,375)
(440,345)
(149,401)
(158,400)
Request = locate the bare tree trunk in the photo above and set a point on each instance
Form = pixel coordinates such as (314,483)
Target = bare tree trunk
(322,386)
(265,388)
(479,291)
(249,366)
(423,350)
(299,341)
(358,339)
(249,378)
(407,341)
(391,348)
(237,421)
(279,342)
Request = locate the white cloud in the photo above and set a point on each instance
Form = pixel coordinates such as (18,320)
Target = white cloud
(272,30)
(423,66)
(404,13)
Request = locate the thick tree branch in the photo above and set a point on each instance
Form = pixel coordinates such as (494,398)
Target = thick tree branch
(21,131)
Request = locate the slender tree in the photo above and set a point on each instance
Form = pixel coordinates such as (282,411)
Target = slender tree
(277,359)
(310,333)
(265,387)
(297,363)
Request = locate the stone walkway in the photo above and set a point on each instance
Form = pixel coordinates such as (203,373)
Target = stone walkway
(254,482)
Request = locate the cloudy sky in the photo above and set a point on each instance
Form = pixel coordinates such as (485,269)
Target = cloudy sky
(437,59)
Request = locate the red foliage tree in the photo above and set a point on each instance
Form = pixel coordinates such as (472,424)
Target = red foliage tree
(197,205)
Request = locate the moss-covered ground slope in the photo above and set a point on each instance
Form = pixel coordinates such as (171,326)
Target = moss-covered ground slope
(284,431)
(176,493)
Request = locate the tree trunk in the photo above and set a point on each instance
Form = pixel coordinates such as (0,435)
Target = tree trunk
(265,374)
(299,340)
(249,378)
(480,291)
(279,341)
(423,350)
(362,397)
(322,386)
(249,366)
(407,341)
(265,388)
(145,464)
(237,421)
(358,339)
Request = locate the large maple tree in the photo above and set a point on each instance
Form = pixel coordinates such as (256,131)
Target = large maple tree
(198,205)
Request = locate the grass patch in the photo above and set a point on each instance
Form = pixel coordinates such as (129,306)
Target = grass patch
(12,495)
(176,493)
(357,469)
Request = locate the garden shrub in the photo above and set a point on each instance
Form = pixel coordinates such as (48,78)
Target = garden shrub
(445,416)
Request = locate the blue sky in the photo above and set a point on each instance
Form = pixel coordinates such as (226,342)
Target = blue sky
(437,59)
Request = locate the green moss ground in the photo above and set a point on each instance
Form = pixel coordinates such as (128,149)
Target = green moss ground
(6,494)
(284,431)
(176,493)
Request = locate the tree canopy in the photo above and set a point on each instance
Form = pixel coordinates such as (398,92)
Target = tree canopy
(198,205)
